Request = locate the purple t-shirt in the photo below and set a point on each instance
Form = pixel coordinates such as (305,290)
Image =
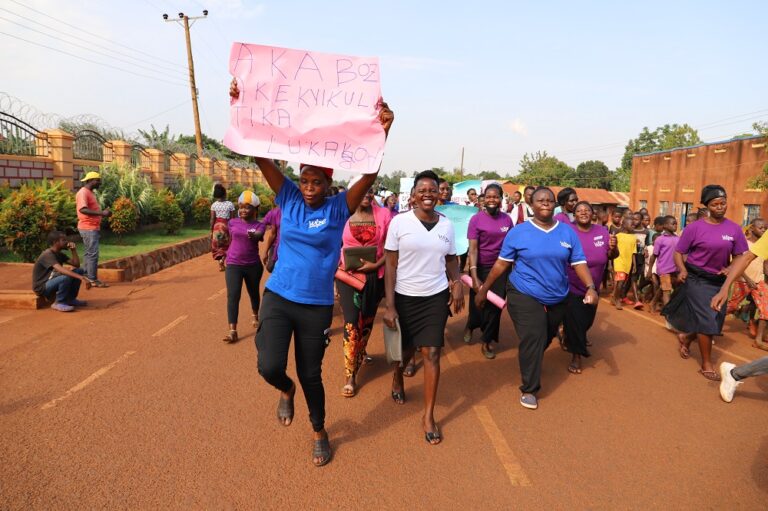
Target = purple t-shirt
(664,250)
(596,244)
(489,231)
(710,246)
(243,250)
(563,217)
(272,219)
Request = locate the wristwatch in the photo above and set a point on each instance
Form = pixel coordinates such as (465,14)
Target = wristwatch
(592,287)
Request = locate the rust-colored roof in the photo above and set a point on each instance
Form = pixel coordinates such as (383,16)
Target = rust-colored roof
(591,195)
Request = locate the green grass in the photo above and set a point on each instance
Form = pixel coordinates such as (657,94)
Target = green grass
(132,244)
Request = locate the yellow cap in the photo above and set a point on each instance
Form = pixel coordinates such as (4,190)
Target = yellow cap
(91,175)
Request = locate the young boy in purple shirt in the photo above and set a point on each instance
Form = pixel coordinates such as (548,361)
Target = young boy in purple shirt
(664,257)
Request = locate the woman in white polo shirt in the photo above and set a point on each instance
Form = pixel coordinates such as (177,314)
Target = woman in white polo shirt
(420,250)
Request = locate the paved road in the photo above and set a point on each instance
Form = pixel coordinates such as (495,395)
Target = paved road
(134,402)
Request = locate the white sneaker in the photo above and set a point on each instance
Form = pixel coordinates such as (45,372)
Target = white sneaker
(728,383)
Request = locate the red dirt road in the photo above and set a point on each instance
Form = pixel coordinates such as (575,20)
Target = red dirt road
(134,402)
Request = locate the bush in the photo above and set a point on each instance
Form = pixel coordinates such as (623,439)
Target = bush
(25,221)
(122,180)
(61,200)
(169,212)
(190,190)
(125,217)
(201,210)
(266,197)
(234,191)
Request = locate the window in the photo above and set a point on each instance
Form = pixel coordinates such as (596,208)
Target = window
(663,208)
(643,204)
(751,211)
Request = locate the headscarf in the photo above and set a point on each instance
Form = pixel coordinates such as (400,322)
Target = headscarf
(711,192)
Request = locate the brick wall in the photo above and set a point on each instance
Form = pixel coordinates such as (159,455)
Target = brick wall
(14,171)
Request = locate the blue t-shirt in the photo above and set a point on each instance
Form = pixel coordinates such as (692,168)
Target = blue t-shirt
(308,253)
(540,258)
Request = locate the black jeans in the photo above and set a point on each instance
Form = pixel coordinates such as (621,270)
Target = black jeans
(309,325)
(536,325)
(234,276)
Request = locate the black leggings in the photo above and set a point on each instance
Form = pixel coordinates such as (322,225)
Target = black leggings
(234,276)
(536,325)
(309,325)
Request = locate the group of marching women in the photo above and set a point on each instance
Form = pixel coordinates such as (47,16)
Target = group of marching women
(548,267)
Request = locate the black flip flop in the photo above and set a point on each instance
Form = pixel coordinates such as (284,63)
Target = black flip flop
(398,397)
(429,436)
(322,449)
(285,410)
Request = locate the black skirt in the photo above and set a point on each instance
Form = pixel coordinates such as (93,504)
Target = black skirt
(423,319)
(688,310)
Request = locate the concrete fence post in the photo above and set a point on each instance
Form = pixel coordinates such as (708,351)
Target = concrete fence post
(60,143)
(157,168)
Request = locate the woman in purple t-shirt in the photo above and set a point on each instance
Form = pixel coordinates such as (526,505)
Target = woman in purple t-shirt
(702,257)
(599,247)
(486,232)
(243,262)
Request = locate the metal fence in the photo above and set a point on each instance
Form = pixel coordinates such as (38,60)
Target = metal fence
(18,137)
(90,145)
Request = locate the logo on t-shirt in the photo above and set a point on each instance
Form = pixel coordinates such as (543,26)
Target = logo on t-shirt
(565,244)
(505,228)
(444,238)
(317,223)
(727,238)
(598,241)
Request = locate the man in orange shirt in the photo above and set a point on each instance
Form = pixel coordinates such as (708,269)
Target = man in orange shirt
(89,215)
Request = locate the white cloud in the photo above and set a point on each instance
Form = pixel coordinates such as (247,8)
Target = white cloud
(518,126)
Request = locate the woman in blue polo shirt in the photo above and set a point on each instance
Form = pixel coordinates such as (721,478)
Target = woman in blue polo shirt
(298,297)
(538,284)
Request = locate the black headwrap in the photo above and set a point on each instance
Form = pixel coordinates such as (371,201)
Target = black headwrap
(711,192)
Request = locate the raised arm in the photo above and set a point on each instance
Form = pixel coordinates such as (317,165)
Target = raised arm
(357,192)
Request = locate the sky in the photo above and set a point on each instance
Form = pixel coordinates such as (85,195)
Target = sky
(497,78)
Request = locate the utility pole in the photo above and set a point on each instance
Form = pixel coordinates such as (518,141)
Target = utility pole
(185,21)
(461,167)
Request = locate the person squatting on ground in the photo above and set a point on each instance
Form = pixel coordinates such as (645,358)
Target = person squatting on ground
(486,233)
(50,278)
(420,252)
(731,375)
(752,283)
(537,288)
(243,262)
(298,297)
(221,212)
(599,247)
(89,215)
(702,257)
(367,227)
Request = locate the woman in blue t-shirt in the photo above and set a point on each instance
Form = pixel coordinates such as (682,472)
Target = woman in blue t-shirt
(298,297)
(538,284)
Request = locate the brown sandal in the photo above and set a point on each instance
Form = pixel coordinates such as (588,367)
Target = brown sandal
(231,337)
(710,375)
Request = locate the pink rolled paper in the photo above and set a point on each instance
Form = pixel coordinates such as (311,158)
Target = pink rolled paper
(492,297)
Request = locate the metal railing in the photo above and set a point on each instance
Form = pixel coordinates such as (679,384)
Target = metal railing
(140,157)
(90,145)
(18,137)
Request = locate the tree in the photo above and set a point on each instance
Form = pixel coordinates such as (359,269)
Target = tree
(664,137)
(669,136)
(489,175)
(593,174)
(541,169)
(392,181)
(761,180)
(162,140)
(621,179)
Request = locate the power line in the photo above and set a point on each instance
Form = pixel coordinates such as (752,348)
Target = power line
(81,29)
(159,113)
(108,55)
(91,61)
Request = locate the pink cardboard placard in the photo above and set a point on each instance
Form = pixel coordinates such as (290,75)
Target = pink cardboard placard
(306,106)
